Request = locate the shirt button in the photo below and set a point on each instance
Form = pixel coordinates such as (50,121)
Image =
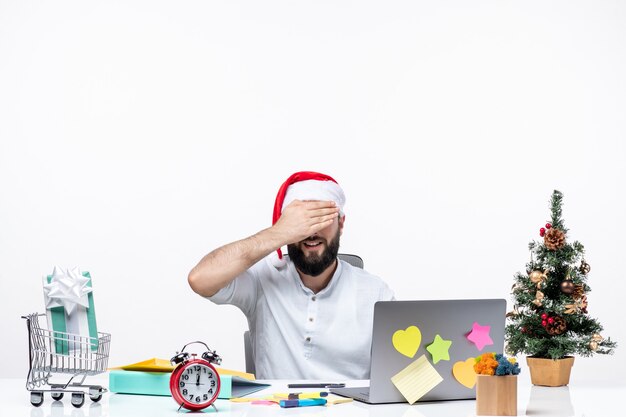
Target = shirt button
(308,339)
(313,298)
(310,318)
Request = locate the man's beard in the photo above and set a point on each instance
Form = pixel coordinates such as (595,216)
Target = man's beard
(314,264)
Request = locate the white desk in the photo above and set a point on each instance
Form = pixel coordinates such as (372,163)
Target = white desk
(578,400)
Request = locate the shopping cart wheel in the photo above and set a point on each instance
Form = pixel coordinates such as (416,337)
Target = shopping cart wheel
(78,399)
(57,396)
(36,398)
(95,393)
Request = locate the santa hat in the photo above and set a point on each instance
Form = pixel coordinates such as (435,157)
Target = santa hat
(306,185)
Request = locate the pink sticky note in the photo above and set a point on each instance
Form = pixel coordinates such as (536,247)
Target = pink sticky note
(480,336)
(263,402)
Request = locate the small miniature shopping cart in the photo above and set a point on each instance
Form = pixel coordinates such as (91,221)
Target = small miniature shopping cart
(52,352)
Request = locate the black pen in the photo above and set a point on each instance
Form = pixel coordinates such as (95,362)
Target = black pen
(317,385)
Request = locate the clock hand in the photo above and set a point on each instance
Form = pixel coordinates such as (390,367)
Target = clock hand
(198,380)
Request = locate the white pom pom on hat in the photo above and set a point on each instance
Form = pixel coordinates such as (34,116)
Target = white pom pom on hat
(277,260)
(305,185)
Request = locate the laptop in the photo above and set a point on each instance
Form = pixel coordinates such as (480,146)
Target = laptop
(452,320)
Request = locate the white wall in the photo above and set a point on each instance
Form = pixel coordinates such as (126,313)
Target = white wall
(137,136)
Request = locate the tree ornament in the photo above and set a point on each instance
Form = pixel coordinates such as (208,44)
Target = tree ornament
(557,327)
(538,277)
(579,291)
(584,268)
(554,239)
(595,339)
(516,287)
(567,286)
(538,298)
(544,323)
(544,316)
(578,306)
(548,226)
(542,232)
(550,320)
(514,312)
(583,304)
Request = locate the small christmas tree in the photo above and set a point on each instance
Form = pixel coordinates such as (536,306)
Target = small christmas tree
(550,317)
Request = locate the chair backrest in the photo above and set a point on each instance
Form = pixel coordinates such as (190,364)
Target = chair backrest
(353,260)
(247,349)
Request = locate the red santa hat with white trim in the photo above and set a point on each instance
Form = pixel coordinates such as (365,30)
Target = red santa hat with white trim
(306,185)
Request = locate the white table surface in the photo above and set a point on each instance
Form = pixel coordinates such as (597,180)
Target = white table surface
(576,400)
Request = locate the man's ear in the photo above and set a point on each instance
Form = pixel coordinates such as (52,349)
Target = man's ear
(341,220)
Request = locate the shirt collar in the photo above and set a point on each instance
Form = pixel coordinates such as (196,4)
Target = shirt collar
(327,289)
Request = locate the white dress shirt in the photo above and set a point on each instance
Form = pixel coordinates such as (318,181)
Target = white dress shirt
(297,334)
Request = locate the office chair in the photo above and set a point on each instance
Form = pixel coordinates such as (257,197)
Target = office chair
(353,260)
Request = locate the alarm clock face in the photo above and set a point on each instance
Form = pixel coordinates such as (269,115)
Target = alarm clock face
(198,385)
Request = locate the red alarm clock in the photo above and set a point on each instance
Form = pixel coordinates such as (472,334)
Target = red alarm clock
(195,383)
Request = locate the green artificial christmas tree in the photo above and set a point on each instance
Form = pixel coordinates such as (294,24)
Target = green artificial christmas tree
(550,318)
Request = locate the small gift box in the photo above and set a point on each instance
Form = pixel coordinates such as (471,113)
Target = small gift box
(70,311)
(496,385)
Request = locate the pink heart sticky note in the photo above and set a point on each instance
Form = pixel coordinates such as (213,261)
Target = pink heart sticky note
(480,336)
(464,372)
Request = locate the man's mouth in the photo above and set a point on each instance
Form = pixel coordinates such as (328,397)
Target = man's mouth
(312,244)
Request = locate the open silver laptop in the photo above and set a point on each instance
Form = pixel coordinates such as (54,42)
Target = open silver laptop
(452,320)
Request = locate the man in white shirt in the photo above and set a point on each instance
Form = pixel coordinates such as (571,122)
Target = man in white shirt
(310,316)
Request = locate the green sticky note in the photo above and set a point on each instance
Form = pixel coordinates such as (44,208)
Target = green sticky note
(439,349)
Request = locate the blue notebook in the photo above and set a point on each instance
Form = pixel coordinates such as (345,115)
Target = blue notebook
(158,383)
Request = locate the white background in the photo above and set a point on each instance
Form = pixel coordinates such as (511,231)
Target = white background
(137,136)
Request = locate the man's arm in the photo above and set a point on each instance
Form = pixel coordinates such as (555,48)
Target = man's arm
(299,220)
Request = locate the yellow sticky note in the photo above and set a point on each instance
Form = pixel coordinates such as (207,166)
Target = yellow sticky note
(251,399)
(333,399)
(416,380)
(464,372)
(164,365)
(150,365)
(407,341)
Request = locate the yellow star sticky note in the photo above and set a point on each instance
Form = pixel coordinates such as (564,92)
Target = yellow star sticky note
(439,349)
(417,379)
